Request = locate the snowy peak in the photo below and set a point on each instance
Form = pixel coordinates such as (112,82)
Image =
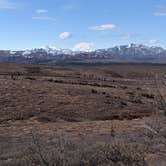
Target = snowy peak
(131,52)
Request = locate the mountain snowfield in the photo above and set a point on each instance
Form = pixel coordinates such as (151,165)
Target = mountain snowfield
(124,53)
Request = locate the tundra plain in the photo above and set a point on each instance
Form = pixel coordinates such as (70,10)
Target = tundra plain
(83,115)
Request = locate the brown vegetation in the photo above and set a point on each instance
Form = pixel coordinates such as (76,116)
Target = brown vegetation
(112,115)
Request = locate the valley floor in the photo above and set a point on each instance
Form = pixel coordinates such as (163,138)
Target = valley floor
(113,115)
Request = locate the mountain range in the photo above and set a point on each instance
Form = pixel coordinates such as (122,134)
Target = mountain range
(125,53)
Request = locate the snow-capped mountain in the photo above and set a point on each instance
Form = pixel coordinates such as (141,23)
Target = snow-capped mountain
(124,53)
(134,51)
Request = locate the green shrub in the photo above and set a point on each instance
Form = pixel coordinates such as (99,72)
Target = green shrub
(149,96)
(94,91)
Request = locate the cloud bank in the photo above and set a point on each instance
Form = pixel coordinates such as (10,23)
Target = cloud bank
(84,46)
(160,11)
(6,4)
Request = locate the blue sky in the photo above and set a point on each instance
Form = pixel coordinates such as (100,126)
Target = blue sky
(81,24)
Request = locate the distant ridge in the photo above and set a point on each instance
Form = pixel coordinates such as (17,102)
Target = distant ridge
(124,53)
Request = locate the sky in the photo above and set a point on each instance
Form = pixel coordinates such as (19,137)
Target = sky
(81,24)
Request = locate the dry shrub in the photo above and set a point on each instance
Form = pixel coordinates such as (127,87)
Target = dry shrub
(156,127)
(64,152)
(61,152)
(104,155)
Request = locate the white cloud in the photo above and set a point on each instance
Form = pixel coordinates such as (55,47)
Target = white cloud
(41,11)
(153,41)
(65,35)
(6,4)
(160,11)
(44,18)
(103,27)
(84,46)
